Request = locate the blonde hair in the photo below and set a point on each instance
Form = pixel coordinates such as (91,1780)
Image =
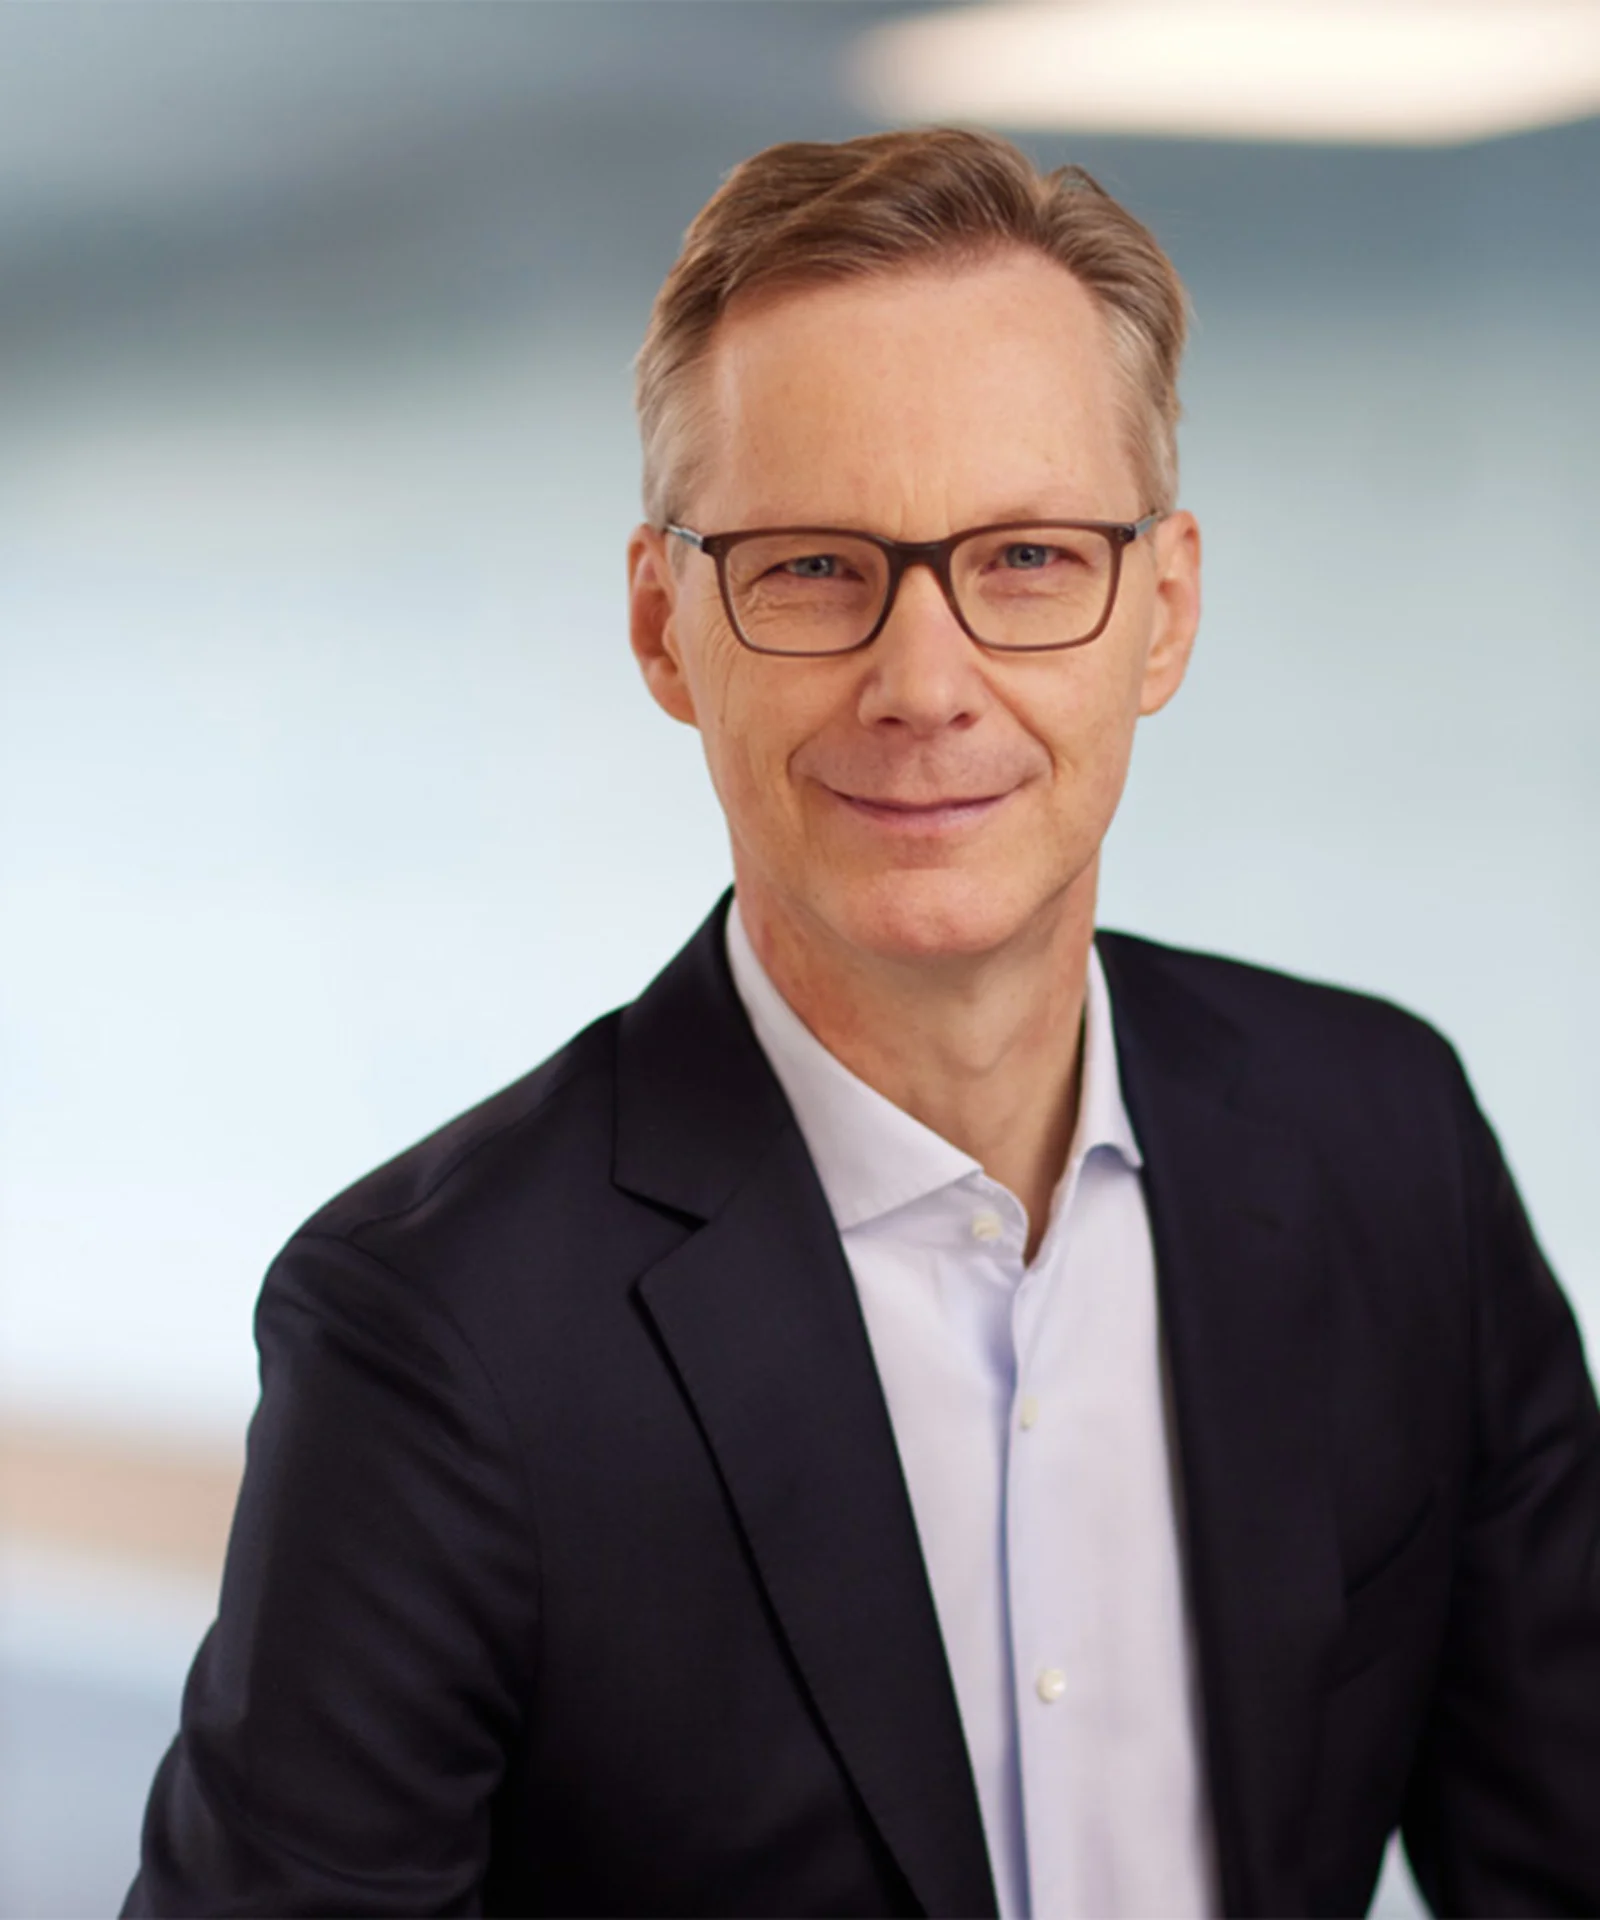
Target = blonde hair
(808,212)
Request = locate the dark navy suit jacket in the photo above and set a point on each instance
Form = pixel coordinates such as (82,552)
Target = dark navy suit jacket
(574,1573)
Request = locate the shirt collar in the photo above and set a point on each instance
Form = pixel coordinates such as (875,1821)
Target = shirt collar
(871,1156)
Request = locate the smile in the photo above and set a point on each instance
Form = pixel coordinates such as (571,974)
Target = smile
(922,817)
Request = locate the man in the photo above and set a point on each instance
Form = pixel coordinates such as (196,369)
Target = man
(927,1410)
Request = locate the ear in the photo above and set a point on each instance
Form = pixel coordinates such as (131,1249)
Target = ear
(652,612)
(1176,614)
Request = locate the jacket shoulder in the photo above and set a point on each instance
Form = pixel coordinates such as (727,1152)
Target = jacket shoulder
(1373,1082)
(546,1133)
(1282,1015)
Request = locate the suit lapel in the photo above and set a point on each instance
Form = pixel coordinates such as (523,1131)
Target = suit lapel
(1244,1303)
(759,1316)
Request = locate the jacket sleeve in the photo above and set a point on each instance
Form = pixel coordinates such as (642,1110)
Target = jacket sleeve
(348,1719)
(1503,1814)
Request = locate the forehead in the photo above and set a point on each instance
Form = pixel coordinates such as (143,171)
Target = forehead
(915,401)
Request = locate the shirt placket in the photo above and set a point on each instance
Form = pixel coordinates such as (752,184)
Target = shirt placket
(1048,1660)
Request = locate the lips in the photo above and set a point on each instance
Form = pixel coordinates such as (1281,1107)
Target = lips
(922,806)
(954,810)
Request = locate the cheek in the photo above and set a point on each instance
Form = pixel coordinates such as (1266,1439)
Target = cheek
(1085,721)
(751,724)
(1086,726)
(1114,687)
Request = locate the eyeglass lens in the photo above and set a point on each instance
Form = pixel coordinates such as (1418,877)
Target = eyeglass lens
(1019,587)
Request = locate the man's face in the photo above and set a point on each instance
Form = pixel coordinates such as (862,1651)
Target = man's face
(921,799)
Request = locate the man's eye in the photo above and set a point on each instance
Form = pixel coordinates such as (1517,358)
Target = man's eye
(814,566)
(1026,556)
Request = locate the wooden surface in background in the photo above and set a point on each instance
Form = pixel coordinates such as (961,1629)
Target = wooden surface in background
(130,1497)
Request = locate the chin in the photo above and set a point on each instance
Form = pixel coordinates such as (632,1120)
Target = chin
(921,915)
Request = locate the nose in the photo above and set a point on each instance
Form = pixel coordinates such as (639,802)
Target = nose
(923,673)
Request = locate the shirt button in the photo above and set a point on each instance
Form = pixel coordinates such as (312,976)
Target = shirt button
(1027,1411)
(1050,1685)
(987,1225)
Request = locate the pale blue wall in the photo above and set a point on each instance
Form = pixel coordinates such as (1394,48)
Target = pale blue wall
(329,801)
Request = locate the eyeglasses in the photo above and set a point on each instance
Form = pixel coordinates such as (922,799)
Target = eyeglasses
(1024,586)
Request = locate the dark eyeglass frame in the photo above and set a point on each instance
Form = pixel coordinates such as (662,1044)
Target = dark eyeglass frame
(935,555)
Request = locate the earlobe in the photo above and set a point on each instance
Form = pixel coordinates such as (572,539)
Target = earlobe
(1176,615)
(652,611)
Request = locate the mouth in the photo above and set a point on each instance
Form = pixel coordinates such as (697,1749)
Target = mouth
(923,817)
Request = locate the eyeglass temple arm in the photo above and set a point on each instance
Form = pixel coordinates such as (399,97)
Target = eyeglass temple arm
(686,533)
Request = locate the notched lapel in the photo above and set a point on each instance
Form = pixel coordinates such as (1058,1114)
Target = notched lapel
(759,1318)
(1245,1307)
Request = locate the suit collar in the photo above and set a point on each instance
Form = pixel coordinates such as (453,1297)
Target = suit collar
(697,1106)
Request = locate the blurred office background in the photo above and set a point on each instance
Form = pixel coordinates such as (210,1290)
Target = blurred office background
(329,800)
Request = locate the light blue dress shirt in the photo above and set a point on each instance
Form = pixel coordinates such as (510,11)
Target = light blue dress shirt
(1029,1409)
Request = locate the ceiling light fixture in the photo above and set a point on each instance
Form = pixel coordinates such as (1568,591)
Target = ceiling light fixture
(1377,72)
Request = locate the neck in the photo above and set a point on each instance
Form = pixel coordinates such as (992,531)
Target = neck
(984,1051)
